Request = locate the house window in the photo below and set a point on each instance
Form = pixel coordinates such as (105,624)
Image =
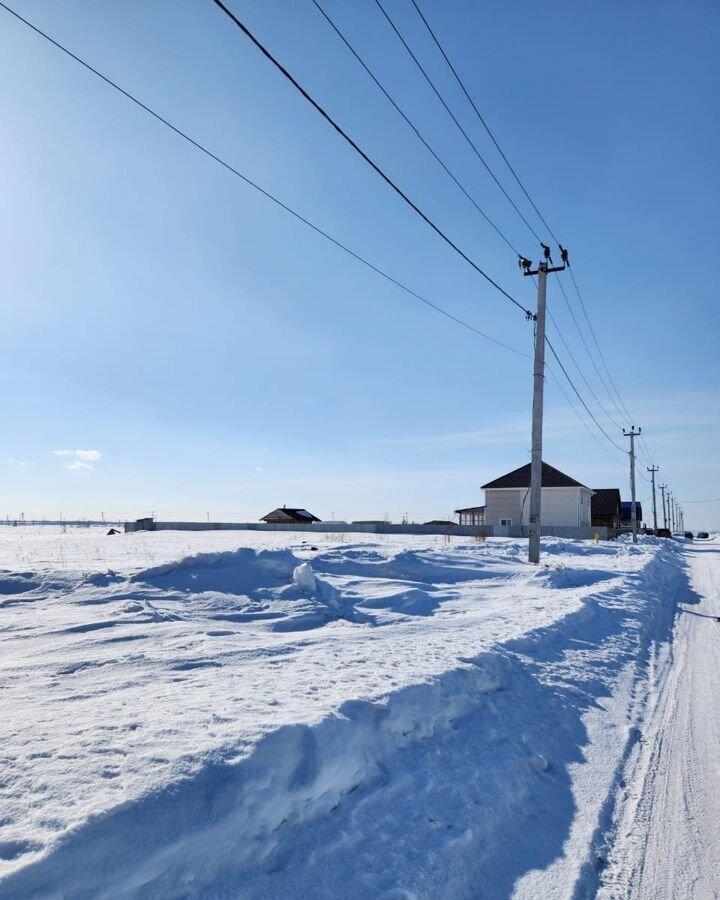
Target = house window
(505,522)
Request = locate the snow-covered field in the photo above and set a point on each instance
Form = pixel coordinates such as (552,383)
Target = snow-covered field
(251,715)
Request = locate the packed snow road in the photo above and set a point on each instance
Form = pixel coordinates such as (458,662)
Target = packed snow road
(249,716)
(668,821)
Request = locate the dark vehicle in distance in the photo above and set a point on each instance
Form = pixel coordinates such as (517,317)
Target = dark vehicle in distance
(663,532)
(688,535)
(703,534)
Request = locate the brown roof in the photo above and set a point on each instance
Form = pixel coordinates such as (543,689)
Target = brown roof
(520,478)
(605,502)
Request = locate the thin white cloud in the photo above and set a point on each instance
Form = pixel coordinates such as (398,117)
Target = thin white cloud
(79,459)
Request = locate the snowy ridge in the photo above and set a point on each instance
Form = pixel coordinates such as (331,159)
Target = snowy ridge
(415,790)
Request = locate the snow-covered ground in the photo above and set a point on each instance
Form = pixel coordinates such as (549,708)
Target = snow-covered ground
(667,821)
(249,715)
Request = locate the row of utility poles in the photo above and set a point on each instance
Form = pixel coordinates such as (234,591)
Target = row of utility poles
(673,514)
(673,517)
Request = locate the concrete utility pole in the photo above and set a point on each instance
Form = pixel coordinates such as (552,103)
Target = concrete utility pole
(538,390)
(632,434)
(663,488)
(652,470)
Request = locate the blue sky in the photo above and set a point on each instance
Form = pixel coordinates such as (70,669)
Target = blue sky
(217,356)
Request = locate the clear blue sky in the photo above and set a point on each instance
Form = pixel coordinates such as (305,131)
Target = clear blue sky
(220,357)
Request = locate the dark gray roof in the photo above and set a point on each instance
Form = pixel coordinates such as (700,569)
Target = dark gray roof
(469,509)
(295,515)
(605,502)
(520,478)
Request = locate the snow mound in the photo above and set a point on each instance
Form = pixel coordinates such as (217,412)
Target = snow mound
(238,571)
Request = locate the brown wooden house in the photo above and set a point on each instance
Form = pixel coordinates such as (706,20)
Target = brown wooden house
(606,507)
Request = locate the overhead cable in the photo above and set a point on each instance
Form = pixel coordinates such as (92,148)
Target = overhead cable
(482,120)
(580,398)
(386,178)
(574,408)
(418,134)
(454,118)
(316,228)
(577,366)
(489,131)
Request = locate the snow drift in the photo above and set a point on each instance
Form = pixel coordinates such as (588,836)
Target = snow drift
(375,721)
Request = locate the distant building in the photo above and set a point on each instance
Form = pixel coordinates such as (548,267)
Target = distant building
(145,524)
(444,523)
(626,513)
(606,507)
(288,516)
(564,501)
(471,515)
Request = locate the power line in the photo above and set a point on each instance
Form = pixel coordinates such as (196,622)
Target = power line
(574,408)
(386,178)
(316,228)
(590,356)
(574,387)
(420,137)
(482,120)
(579,396)
(577,366)
(495,142)
(542,219)
(297,215)
(645,450)
(597,344)
(453,117)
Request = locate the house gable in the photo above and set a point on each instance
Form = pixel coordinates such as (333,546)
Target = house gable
(520,478)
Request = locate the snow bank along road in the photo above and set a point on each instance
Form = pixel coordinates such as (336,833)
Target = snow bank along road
(247,716)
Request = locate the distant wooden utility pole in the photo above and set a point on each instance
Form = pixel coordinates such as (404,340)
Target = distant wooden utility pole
(652,470)
(632,434)
(663,488)
(538,389)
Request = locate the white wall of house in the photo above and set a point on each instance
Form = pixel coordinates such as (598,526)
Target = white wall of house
(503,506)
(560,506)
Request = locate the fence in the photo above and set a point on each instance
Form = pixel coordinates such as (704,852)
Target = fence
(474,531)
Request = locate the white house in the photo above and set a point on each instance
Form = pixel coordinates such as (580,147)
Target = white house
(564,501)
